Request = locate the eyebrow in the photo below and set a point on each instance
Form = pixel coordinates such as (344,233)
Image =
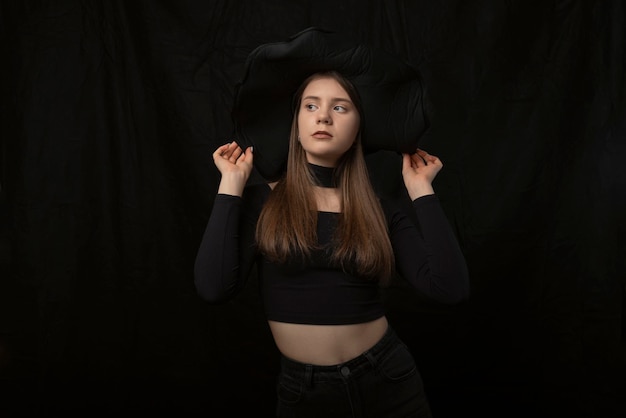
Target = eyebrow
(334,99)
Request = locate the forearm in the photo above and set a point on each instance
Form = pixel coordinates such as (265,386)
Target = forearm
(217,269)
(416,191)
(232,184)
(429,257)
(447,270)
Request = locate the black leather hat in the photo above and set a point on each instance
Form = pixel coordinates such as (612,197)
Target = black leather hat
(393,100)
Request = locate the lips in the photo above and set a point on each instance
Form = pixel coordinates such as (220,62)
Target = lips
(322,135)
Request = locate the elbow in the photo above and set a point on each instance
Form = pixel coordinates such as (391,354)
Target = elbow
(461,292)
(453,298)
(207,295)
(458,291)
(456,297)
(207,291)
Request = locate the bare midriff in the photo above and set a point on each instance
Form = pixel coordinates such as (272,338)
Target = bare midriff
(325,345)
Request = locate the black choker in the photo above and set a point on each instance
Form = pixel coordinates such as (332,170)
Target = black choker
(324,176)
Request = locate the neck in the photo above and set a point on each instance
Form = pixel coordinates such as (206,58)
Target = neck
(324,176)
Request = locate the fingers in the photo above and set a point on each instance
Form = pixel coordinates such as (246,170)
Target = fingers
(421,160)
(230,151)
(249,154)
(406,162)
(427,158)
(225,151)
(413,161)
(233,153)
(236,153)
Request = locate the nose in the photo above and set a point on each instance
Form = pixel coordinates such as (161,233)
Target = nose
(324,118)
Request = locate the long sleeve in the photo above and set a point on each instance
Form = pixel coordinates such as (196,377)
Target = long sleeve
(227,250)
(429,257)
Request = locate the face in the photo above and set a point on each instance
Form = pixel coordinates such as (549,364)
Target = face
(328,121)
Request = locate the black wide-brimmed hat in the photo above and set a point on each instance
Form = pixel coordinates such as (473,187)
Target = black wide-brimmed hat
(394,109)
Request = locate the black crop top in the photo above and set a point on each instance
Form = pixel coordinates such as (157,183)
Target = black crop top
(429,258)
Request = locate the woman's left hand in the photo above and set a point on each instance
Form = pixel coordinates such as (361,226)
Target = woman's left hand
(418,171)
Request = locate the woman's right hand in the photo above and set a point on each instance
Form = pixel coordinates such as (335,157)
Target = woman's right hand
(235,165)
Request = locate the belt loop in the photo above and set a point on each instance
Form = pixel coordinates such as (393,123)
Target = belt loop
(308,375)
(370,357)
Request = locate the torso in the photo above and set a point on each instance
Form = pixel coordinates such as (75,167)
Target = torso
(326,344)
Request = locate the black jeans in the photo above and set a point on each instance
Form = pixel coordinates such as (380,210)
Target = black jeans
(383,382)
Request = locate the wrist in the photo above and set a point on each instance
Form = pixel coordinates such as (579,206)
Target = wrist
(232,184)
(419,191)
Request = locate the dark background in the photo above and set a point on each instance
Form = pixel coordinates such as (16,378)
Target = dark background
(111,110)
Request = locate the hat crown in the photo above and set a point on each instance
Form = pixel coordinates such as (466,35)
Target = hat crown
(391,91)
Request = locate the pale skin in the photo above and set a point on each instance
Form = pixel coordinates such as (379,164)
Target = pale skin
(328,124)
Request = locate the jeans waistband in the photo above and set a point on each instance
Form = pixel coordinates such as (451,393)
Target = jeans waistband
(366,361)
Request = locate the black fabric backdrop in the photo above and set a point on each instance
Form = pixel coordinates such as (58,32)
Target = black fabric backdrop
(110,113)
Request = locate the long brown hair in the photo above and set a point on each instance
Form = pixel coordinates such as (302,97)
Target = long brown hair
(287,226)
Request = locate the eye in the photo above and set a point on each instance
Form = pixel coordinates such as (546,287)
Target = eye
(340,109)
(310,106)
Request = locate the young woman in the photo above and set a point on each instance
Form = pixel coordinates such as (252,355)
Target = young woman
(324,244)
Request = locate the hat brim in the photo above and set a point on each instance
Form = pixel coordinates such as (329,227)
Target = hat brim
(391,92)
